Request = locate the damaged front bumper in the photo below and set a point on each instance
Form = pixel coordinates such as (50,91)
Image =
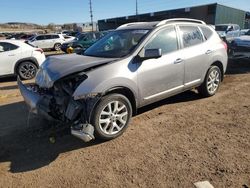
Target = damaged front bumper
(32,99)
(40,104)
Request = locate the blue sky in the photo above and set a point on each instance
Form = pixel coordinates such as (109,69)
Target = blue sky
(67,11)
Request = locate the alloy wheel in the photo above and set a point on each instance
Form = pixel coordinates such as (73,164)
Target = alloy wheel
(213,81)
(113,117)
(27,70)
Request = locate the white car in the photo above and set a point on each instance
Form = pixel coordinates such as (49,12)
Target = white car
(19,58)
(48,41)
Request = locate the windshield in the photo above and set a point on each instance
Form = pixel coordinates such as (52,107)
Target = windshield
(117,44)
(221,27)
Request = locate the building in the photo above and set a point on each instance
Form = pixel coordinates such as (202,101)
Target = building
(211,14)
(85,27)
(80,27)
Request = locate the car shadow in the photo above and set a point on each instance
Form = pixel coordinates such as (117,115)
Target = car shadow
(26,144)
(239,66)
(8,87)
(8,79)
(182,97)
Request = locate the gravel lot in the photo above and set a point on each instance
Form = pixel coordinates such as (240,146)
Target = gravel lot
(174,143)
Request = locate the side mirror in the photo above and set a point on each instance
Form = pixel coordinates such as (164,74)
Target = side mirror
(150,54)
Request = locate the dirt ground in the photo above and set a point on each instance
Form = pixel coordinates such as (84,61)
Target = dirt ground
(174,143)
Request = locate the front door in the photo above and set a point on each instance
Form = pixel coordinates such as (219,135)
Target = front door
(158,78)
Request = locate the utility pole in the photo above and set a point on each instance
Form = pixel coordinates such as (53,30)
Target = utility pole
(136,7)
(91,14)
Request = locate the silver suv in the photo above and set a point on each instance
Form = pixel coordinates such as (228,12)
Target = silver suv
(137,64)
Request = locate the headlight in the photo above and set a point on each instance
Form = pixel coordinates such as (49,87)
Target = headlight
(43,79)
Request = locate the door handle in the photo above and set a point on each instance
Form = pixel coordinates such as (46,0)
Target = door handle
(208,52)
(179,60)
(11,55)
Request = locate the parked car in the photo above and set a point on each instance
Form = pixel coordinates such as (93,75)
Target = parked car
(48,41)
(240,46)
(133,66)
(228,31)
(19,58)
(82,42)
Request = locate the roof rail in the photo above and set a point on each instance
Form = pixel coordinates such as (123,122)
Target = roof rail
(128,24)
(180,20)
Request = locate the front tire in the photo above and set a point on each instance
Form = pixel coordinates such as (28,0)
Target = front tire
(27,70)
(111,116)
(211,83)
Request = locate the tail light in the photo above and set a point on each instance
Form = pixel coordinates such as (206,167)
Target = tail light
(39,50)
(225,45)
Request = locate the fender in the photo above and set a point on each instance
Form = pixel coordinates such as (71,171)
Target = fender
(86,88)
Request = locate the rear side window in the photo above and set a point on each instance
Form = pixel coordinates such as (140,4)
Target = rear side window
(55,37)
(206,32)
(40,37)
(47,37)
(166,40)
(190,35)
(4,47)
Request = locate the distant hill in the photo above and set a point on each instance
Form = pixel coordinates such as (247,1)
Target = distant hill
(20,25)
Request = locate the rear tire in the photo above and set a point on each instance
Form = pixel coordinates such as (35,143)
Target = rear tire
(27,70)
(211,83)
(111,116)
(57,47)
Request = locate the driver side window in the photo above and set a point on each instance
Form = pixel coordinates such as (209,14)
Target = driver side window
(166,40)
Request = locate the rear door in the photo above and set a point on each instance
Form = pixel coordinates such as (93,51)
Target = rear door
(55,39)
(195,54)
(48,42)
(9,55)
(161,77)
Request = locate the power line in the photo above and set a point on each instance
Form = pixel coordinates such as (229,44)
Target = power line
(136,5)
(91,14)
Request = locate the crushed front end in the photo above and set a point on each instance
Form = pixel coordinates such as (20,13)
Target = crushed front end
(56,102)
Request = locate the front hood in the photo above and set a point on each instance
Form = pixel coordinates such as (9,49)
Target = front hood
(60,66)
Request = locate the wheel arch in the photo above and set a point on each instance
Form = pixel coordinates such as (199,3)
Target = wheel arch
(220,65)
(30,59)
(127,93)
